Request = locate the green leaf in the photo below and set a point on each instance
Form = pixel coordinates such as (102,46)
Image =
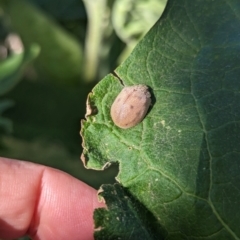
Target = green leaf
(182,161)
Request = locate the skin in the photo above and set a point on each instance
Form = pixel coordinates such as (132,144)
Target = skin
(44,203)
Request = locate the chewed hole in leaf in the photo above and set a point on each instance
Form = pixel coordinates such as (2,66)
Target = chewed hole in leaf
(90,108)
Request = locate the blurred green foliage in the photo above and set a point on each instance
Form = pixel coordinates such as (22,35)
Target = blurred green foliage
(60,59)
(11,71)
(60,49)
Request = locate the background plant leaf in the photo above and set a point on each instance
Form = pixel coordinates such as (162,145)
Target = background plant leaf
(9,65)
(12,69)
(68,10)
(132,20)
(11,72)
(182,161)
(61,54)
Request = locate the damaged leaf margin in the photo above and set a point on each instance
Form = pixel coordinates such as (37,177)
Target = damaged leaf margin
(182,161)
